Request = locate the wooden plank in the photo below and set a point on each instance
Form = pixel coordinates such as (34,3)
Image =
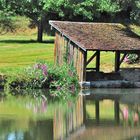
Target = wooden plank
(65,49)
(68,52)
(58,46)
(71,53)
(80,73)
(75,56)
(84,65)
(59,50)
(55,48)
(78,67)
(77,60)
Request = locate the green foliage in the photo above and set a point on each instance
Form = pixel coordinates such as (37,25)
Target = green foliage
(135,14)
(61,81)
(131,58)
(42,76)
(108,6)
(6,14)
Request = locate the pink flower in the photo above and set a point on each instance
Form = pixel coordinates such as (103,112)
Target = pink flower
(44,70)
(126,59)
(58,88)
(37,66)
(42,67)
(125,113)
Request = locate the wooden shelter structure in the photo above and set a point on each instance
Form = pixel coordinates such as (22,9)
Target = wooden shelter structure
(75,39)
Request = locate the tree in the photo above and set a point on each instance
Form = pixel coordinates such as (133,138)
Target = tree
(40,11)
(135,14)
(6,22)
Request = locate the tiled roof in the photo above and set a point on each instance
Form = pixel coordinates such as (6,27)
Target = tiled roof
(98,36)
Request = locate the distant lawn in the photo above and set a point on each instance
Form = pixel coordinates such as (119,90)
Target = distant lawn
(19,51)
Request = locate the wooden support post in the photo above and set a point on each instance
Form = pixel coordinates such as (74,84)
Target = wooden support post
(97,61)
(97,110)
(117,61)
(116,111)
(84,65)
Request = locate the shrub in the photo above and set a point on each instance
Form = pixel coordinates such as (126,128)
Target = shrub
(131,58)
(43,76)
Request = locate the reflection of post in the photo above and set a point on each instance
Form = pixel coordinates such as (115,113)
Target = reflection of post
(97,110)
(116,111)
(84,109)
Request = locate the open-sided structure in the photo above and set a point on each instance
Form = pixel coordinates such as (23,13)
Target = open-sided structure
(75,39)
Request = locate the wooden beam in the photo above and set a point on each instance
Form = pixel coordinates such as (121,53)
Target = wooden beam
(91,58)
(124,55)
(117,61)
(98,61)
(90,68)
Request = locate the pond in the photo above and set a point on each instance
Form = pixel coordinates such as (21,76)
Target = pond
(99,114)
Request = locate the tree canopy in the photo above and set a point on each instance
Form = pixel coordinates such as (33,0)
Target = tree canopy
(40,11)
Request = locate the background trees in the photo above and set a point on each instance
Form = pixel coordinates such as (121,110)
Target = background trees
(40,11)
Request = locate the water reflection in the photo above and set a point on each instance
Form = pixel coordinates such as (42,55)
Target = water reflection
(94,114)
(71,120)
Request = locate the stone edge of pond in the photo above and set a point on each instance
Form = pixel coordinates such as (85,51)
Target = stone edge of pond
(110,84)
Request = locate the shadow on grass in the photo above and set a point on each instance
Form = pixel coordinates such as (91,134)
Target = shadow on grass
(25,41)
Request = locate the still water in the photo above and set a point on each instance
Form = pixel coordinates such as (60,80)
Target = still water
(99,114)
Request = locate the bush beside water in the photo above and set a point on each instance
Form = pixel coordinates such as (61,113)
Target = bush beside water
(43,76)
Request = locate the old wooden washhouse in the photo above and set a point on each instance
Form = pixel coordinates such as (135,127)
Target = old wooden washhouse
(75,39)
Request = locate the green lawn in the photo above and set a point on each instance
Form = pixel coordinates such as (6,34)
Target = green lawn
(19,51)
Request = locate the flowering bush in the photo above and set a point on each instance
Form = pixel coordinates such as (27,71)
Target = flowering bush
(41,76)
(131,58)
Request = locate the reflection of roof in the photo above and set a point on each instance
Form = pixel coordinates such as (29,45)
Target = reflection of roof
(98,36)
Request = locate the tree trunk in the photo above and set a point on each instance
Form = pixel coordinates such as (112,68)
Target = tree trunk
(40,31)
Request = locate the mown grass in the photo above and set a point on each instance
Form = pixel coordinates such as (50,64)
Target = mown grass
(17,52)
